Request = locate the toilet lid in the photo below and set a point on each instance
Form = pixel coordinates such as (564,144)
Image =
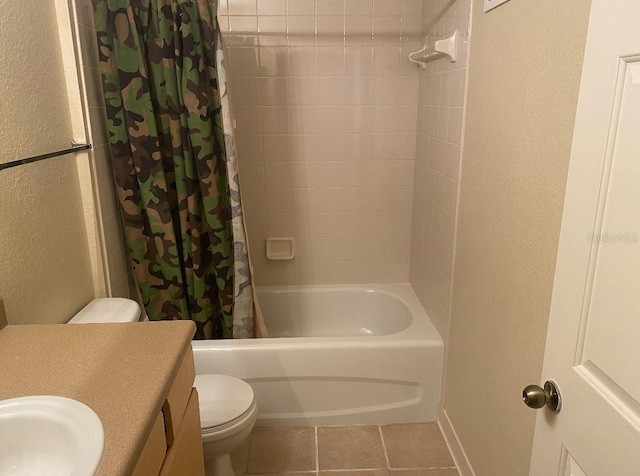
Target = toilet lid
(222,399)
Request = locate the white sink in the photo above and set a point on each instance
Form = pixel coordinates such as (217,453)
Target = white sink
(52,436)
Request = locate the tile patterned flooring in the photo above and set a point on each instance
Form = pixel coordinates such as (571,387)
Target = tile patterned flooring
(414,449)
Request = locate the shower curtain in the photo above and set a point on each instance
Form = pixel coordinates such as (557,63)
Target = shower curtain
(173,153)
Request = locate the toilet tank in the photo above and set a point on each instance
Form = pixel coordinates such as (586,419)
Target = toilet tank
(108,310)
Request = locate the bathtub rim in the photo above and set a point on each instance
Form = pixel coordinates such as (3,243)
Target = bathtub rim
(421,331)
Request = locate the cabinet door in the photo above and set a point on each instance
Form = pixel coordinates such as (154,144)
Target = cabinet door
(592,348)
(186,456)
(153,452)
(179,394)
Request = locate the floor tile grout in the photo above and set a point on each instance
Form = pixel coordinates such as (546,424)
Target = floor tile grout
(314,438)
(317,450)
(384,448)
(363,470)
(246,463)
(350,470)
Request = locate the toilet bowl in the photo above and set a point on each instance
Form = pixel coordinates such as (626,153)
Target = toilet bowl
(228,413)
(228,409)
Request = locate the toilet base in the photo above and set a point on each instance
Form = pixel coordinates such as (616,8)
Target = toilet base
(218,466)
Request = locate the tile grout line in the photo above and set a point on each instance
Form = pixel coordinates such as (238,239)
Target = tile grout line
(317,450)
(246,464)
(316,470)
(369,470)
(352,470)
(384,448)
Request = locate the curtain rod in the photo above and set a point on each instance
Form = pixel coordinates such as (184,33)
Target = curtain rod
(36,158)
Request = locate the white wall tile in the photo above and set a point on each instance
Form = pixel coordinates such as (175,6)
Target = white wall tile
(358,30)
(439,131)
(358,61)
(277,175)
(272,25)
(330,91)
(252,175)
(280,273)
(279,225)
(277,201)
(330,61)
(387,7)
(243,25)
(301,61)
(242,7)
(301,25)
(301,91)
(248,120)
(247,91)
(359,7)
(412,8)
(330,30)
(330,7)
(272,7)
(387,28)
(273,91)
(300,7)
(244,62)
(273,62)
(326,131)
(386,60)
(249,147)
(275,120)
(276,147)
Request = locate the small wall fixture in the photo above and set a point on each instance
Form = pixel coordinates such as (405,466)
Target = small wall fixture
(448,47)
(280,249)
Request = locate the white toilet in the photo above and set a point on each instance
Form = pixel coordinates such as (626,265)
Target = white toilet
(108,310)
(227,405)
(228,413)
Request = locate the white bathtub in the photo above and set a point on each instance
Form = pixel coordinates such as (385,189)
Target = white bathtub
(337,355)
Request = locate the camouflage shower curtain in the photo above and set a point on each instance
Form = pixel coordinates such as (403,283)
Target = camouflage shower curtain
(174,160)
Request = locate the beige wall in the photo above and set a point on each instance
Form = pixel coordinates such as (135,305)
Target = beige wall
(524,73)
(45,269)
(326,109)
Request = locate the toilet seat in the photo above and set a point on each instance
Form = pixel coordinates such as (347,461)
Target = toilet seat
(226,403)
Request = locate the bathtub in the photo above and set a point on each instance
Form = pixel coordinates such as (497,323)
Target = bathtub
(336,355)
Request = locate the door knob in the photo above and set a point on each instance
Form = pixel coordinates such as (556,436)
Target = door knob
(536,397)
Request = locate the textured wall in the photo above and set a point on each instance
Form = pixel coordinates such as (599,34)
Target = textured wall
(326,108)
(45,270)
(524,73)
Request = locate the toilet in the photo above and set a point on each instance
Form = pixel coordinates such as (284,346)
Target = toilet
(228,408)
(102,310)
(228,413)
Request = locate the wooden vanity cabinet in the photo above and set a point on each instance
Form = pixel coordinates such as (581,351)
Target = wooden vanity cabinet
(174,446)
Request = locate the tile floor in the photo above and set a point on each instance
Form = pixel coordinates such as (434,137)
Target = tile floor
(415,449)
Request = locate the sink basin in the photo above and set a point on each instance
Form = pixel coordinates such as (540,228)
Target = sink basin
(46,435)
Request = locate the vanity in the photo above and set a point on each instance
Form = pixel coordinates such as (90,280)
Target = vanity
(137,377)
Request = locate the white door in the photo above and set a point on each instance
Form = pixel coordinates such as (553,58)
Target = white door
(593,344)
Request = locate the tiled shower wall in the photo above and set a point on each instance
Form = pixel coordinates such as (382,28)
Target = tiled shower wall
(118,275)
(438,154)
(326,108)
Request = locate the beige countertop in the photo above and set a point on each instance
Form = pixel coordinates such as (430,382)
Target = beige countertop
(122,371)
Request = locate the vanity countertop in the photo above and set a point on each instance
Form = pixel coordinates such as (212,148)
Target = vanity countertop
(122,371)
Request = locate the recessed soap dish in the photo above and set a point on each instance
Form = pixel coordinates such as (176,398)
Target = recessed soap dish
(280,249)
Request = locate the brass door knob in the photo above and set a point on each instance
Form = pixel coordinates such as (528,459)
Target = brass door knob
(536,397)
